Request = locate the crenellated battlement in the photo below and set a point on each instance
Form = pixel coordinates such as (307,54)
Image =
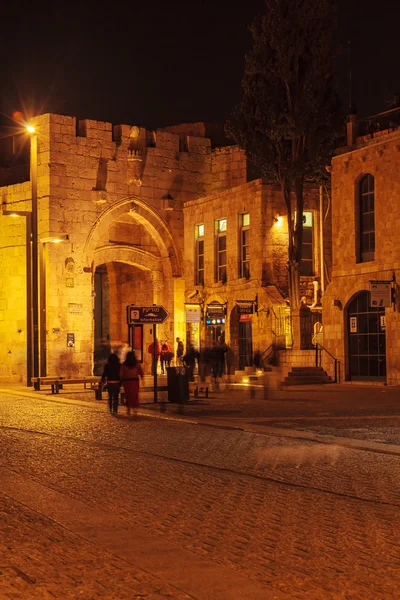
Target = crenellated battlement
(176,140)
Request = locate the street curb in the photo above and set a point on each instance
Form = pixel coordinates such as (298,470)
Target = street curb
(226,424)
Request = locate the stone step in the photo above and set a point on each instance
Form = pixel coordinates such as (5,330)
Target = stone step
(308,368)
(307,380)
(306,373)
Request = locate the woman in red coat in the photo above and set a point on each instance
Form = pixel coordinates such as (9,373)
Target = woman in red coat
(130,372)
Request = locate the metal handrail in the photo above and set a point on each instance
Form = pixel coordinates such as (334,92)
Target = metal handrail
(270,347)
(318,360)
(267,353)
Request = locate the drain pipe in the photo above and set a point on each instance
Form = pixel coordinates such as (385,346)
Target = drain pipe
(321,240)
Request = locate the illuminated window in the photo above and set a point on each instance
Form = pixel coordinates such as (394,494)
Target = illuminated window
(221,225)
(366,219)
(199,271)
(221,273)
(244,263)
(307,259)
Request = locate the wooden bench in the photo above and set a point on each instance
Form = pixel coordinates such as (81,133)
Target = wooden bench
(57,382)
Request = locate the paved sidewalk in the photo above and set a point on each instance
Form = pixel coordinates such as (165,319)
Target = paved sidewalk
(366,416)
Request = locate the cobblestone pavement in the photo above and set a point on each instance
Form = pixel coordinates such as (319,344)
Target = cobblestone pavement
(305,520)
(40,559)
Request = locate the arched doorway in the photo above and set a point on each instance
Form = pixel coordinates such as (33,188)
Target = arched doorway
(134,261)
(366,332)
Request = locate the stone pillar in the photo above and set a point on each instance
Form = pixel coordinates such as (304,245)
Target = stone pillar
(179,309)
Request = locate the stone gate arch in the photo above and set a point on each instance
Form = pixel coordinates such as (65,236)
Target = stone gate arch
(147,216)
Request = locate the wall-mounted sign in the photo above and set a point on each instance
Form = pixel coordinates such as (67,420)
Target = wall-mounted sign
(382,322)
(380,293)
(70,340)
(245,307)
(353,324)
(245,317)
(75,309)
(193,313)
(215,311)
(69,282)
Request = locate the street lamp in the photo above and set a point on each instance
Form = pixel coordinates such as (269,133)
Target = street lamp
(35,254)
(32,275)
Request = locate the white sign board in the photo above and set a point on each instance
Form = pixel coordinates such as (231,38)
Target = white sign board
(380,294)
(193,314)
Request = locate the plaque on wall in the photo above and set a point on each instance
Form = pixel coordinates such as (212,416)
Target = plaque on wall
(75,309)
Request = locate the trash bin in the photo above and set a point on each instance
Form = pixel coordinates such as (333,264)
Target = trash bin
(178,385)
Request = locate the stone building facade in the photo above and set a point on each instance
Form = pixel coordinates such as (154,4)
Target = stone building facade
(117,194)
(126,204)
(235,266)
(361,304)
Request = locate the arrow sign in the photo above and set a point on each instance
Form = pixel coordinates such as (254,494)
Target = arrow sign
(146,314)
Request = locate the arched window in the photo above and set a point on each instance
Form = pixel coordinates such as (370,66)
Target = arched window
(366,219)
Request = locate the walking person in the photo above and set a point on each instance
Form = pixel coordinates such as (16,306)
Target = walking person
(154,350)
(130,373)
(111,377)
(165,357)
(123,351)
(189,361)
(179,352)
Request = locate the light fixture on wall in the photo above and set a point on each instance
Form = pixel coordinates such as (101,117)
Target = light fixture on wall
(277,219)
(55,239)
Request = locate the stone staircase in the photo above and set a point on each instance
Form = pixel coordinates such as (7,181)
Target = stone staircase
(306,376)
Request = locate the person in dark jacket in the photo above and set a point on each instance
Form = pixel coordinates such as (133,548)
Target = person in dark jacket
(111,376)
(189,361)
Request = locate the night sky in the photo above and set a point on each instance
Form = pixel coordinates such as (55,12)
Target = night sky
(159,63)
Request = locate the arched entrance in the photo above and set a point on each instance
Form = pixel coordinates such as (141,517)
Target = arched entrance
(134,261)
(366,333)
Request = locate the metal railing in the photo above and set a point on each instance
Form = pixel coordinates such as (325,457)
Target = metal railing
(267,353)
(318,361)
(389,119)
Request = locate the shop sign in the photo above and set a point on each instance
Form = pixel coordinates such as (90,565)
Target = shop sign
(382,319)
(353,324)
(193,313)
(215,311)
(245,307)
(70,340)
(380,293)
(245,317)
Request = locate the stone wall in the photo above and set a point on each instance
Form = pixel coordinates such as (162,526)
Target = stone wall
(118,193)
(268,256)
(378,155)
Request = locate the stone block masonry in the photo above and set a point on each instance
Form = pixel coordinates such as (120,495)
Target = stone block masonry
(117,192)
